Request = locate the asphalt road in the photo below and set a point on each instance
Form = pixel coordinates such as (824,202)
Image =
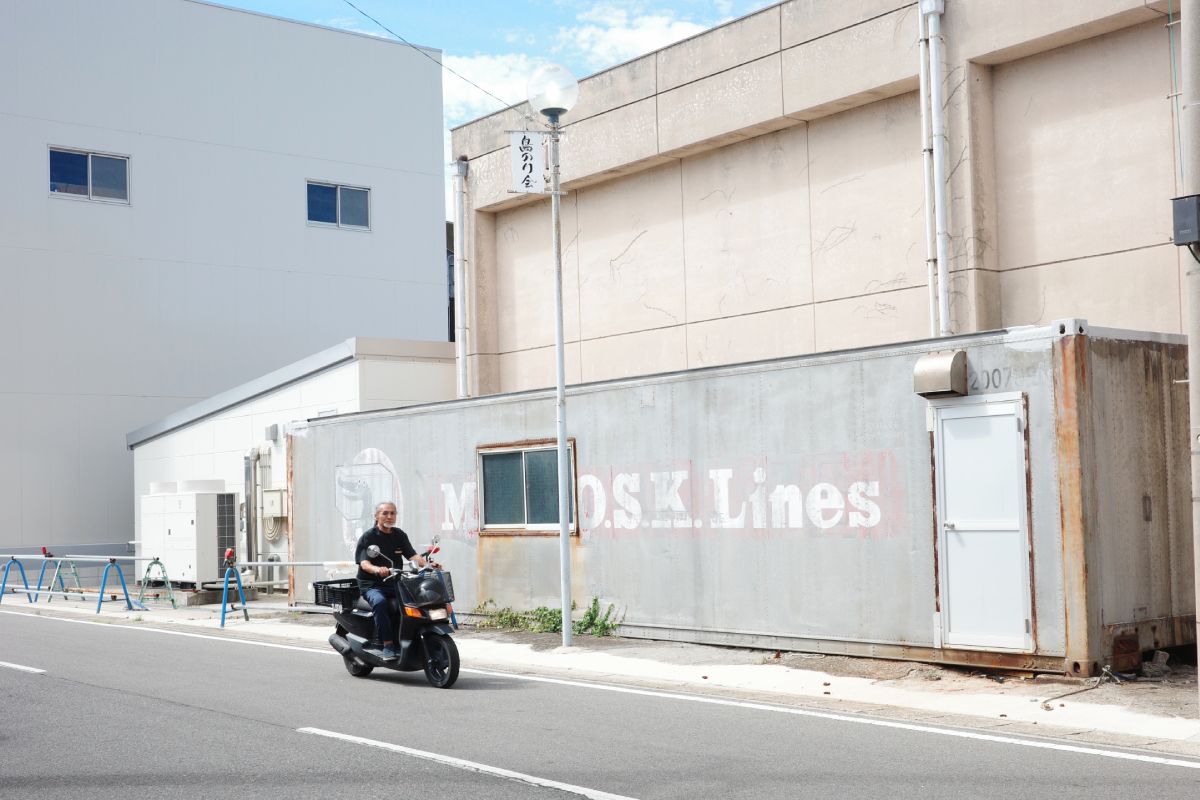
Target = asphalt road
(121,709)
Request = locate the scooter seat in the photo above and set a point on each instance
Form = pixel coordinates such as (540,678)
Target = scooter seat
(361,604)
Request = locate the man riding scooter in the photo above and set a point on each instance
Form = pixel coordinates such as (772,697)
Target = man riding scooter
(393,545)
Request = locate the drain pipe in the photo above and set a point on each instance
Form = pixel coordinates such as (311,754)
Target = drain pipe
(250,499)
(931,261)
(933,10)
(1189,156)
(460,273)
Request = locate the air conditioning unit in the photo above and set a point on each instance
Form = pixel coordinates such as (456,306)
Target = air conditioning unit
(189,532)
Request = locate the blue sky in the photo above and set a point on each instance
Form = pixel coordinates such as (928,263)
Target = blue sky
(498,43)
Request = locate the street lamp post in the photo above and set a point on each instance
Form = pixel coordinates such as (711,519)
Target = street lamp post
(553,90)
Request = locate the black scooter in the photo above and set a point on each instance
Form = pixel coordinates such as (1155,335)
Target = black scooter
(422,616)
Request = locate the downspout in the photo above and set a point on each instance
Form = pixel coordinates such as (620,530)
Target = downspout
(460,273)
(931,261)
(250,502)
(933,10)
(1189,146)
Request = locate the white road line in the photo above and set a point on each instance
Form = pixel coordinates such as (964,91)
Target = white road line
(21,667)
(881,723)
(472,766)
(317,650)
(694,698)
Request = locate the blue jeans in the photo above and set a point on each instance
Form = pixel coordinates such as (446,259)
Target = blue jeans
(378,597)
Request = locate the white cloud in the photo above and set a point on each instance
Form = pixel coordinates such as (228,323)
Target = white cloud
(502,75)
(611,34)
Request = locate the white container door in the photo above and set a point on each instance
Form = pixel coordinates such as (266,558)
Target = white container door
(983,536)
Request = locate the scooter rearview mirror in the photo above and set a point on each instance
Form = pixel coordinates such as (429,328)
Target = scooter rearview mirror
(373,551)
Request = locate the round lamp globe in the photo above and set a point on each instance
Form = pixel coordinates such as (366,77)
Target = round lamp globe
(552,90)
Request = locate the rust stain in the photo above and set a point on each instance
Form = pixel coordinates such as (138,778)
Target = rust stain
(509,533)
(1070,376)
(1126,652)
(1026,662)
(523,443)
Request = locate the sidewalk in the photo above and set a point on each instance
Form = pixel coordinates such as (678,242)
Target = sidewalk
(1162,716)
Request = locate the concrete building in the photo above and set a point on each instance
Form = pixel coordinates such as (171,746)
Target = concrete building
(756,191)
(195,196)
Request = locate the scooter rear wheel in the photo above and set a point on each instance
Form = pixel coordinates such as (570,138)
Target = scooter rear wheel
(441,661)
(357,668)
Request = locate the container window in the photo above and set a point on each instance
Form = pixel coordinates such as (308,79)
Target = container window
(520,489)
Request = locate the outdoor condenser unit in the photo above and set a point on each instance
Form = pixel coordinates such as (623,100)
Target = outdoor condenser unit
(189,532)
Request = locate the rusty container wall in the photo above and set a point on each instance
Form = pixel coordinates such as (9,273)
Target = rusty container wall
(1141,521)
(781,504)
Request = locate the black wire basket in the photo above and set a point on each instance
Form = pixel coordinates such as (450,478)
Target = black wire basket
(337,594)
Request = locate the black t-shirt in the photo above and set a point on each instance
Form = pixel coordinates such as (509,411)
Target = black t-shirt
(394,544)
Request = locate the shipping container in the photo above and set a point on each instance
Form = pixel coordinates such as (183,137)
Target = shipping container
(1029,509)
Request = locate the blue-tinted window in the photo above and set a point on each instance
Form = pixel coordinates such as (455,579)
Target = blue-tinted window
(353,209)
(110,177)
(68,172)
(91,175)
(322,203)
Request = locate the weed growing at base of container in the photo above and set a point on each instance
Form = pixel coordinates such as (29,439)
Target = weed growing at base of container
(547,620)
(595,623)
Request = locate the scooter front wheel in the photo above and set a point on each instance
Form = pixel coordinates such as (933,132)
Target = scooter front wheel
(357,668)
(441,661)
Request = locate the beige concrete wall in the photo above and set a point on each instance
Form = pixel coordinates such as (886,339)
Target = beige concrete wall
(757,191)
(1085,169)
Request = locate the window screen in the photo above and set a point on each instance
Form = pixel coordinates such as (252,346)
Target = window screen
(354,210)
(541,486)
(503,489)
(110,177)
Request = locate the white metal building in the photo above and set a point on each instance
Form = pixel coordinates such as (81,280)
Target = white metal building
(193,196)
(213,455)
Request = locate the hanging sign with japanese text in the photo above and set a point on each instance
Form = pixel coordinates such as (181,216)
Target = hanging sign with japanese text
(528,162)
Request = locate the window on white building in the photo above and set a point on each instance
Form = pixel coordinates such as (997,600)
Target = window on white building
(92,176)
(341,206)
(520,488)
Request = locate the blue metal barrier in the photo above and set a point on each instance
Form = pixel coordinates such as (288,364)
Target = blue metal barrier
(225,594)
(129,604)
(4,583)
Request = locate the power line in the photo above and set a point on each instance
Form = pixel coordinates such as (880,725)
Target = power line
(458,75)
